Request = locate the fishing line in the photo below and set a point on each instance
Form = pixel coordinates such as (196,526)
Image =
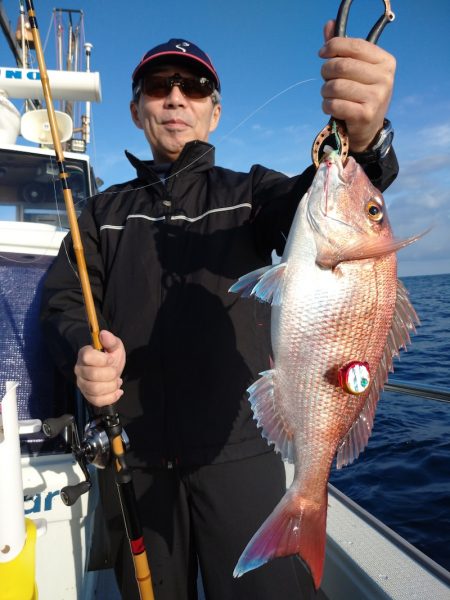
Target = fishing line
(58,214)
(50,27)
(240,124)
(30,56)
(220,141)
(38,257)
(55,232)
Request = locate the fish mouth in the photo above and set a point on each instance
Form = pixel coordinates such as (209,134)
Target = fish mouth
(338,241)
(334,175)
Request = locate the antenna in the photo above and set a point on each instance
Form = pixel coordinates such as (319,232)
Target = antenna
(86,118)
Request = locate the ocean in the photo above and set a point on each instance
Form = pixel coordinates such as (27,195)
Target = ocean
(403,476)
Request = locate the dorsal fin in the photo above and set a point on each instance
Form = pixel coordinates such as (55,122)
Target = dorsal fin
(404,320)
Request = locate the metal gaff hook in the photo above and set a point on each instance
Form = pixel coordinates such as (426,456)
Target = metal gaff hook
(340,29)
(334,127)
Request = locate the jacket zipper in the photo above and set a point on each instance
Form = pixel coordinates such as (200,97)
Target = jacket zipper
(168,460)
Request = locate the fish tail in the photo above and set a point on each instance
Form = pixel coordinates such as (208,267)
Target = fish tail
(296,526)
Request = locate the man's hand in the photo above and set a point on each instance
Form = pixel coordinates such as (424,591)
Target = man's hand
(98,373)
(359,79)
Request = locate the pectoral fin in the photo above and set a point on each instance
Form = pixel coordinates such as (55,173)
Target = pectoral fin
(372,248)
(265,284)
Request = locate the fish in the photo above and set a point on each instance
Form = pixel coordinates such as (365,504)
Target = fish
(339,316)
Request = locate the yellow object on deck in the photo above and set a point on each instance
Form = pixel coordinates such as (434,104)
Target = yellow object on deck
(17,577)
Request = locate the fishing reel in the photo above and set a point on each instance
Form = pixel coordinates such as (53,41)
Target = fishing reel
(94,448)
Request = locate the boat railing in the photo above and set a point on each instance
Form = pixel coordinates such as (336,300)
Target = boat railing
(365,558)
(427,392)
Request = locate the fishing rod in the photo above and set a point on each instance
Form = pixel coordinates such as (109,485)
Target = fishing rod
(108,415)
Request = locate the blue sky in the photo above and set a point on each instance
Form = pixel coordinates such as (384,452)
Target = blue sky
(260,50)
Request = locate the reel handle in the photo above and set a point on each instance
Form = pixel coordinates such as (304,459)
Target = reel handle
(54,426)
(70,493)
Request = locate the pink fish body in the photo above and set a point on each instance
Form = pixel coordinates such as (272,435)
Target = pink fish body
(339,315)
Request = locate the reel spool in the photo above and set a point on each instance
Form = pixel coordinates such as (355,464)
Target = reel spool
(94,448)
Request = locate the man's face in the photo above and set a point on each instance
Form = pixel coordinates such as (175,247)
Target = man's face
(172,121)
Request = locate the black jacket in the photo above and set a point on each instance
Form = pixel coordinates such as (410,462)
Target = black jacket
(161,259)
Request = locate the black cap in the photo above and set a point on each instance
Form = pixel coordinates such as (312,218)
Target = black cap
(180,51)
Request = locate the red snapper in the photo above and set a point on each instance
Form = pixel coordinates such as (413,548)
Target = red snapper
(339,316)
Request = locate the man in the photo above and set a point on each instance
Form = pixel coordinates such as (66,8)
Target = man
(180,351)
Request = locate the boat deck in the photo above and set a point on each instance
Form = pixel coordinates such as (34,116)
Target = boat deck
(107,588)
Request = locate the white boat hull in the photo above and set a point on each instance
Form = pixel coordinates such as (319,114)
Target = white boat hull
(62,552)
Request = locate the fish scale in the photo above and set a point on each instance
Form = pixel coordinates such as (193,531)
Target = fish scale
(336,303)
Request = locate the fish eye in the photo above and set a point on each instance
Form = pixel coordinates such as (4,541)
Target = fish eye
(374,210)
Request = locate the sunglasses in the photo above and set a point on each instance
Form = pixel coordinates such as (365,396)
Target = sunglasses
(157,86)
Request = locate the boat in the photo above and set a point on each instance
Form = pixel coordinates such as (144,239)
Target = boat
(33,223)
(364,558)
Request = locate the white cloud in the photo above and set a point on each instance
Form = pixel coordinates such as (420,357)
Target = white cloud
(426,165)
(299,131)
(420,199)
(437,136)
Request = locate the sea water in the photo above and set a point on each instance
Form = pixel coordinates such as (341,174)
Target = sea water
(403,476)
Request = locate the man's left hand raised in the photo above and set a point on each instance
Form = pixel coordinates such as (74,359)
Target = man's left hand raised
(359,79)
